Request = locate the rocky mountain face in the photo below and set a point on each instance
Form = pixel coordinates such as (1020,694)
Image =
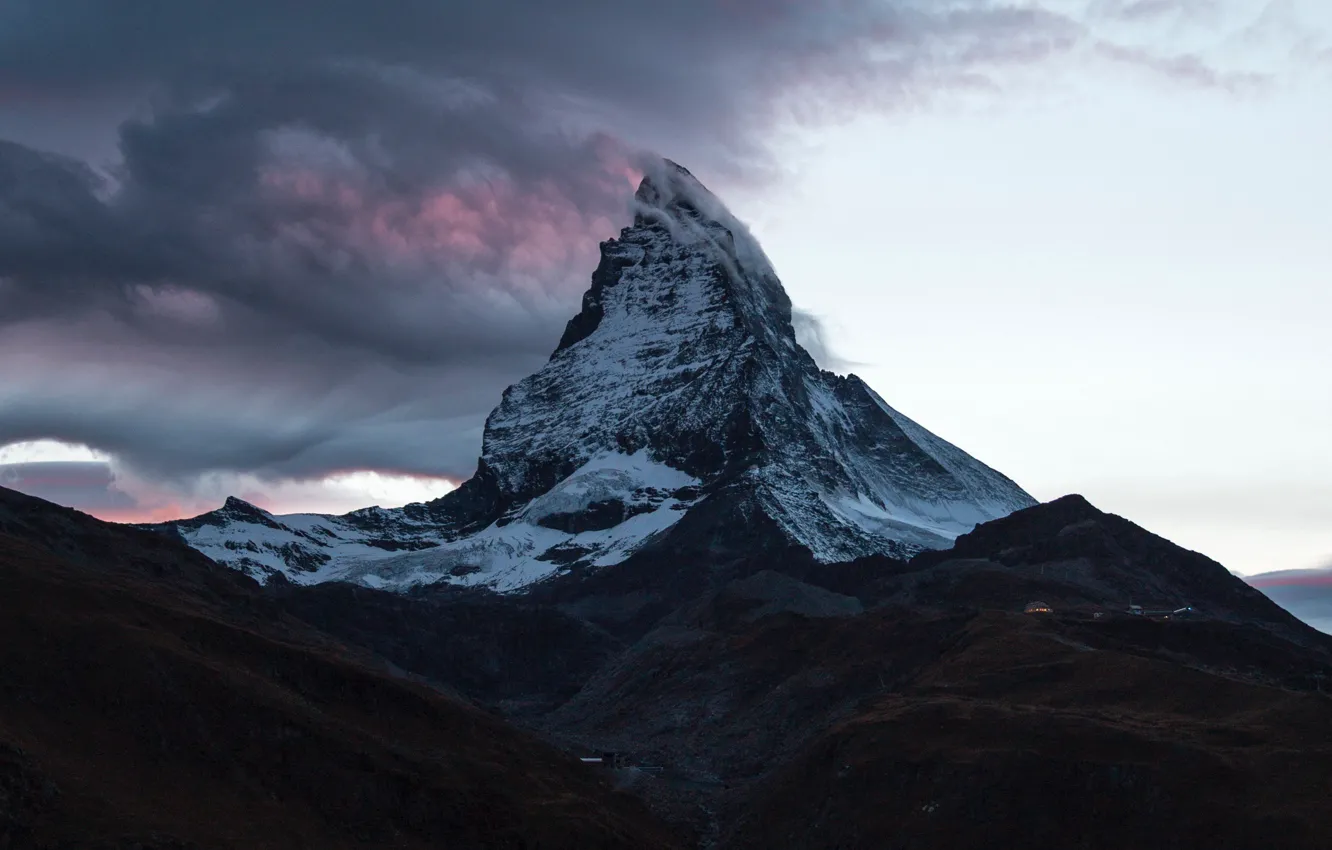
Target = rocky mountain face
(679,389)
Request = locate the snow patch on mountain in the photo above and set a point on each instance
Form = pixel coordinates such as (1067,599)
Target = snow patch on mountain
(632,496)
(635,478)
(599,515)
(305,548)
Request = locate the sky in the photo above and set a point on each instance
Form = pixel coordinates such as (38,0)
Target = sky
(249,250)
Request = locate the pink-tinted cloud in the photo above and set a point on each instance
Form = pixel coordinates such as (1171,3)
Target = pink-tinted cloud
(1305,593)
(1293,578)
(159,513)
(97,488)
(494,223)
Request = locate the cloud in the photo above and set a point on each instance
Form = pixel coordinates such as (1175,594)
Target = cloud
(102,489)
(1305,593)
(1185,68)
(284,295)
(329,237)
(87,484)
(1320,577)
(1134,11)
(812,334)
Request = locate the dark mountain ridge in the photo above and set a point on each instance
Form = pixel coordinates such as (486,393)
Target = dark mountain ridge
(778,696)
(151,699)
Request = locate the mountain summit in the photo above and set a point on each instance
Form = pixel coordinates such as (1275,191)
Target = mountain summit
(677,390)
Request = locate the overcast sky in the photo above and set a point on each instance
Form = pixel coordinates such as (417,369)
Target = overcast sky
(295,251)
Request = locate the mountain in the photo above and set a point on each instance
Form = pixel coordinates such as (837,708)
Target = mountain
(780,697)
(1051,733)
(1065,552)
(678,390)
(914,705)
(1069,554)
(152,699)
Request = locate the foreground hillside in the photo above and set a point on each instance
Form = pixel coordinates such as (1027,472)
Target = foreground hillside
(951,729)
(1045,734)
(150,699)
(880,703)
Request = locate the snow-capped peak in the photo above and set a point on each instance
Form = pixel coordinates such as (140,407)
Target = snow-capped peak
(670,195)
(678,389)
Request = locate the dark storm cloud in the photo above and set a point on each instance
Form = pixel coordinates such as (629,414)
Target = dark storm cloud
(297,204)
(87,484)
(336,230)
(704,74)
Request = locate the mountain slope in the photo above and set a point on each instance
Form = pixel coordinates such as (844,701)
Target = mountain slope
(803,716)
(678,387)
(1070,554)
(152,699)
(895,706)
(1033,732)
